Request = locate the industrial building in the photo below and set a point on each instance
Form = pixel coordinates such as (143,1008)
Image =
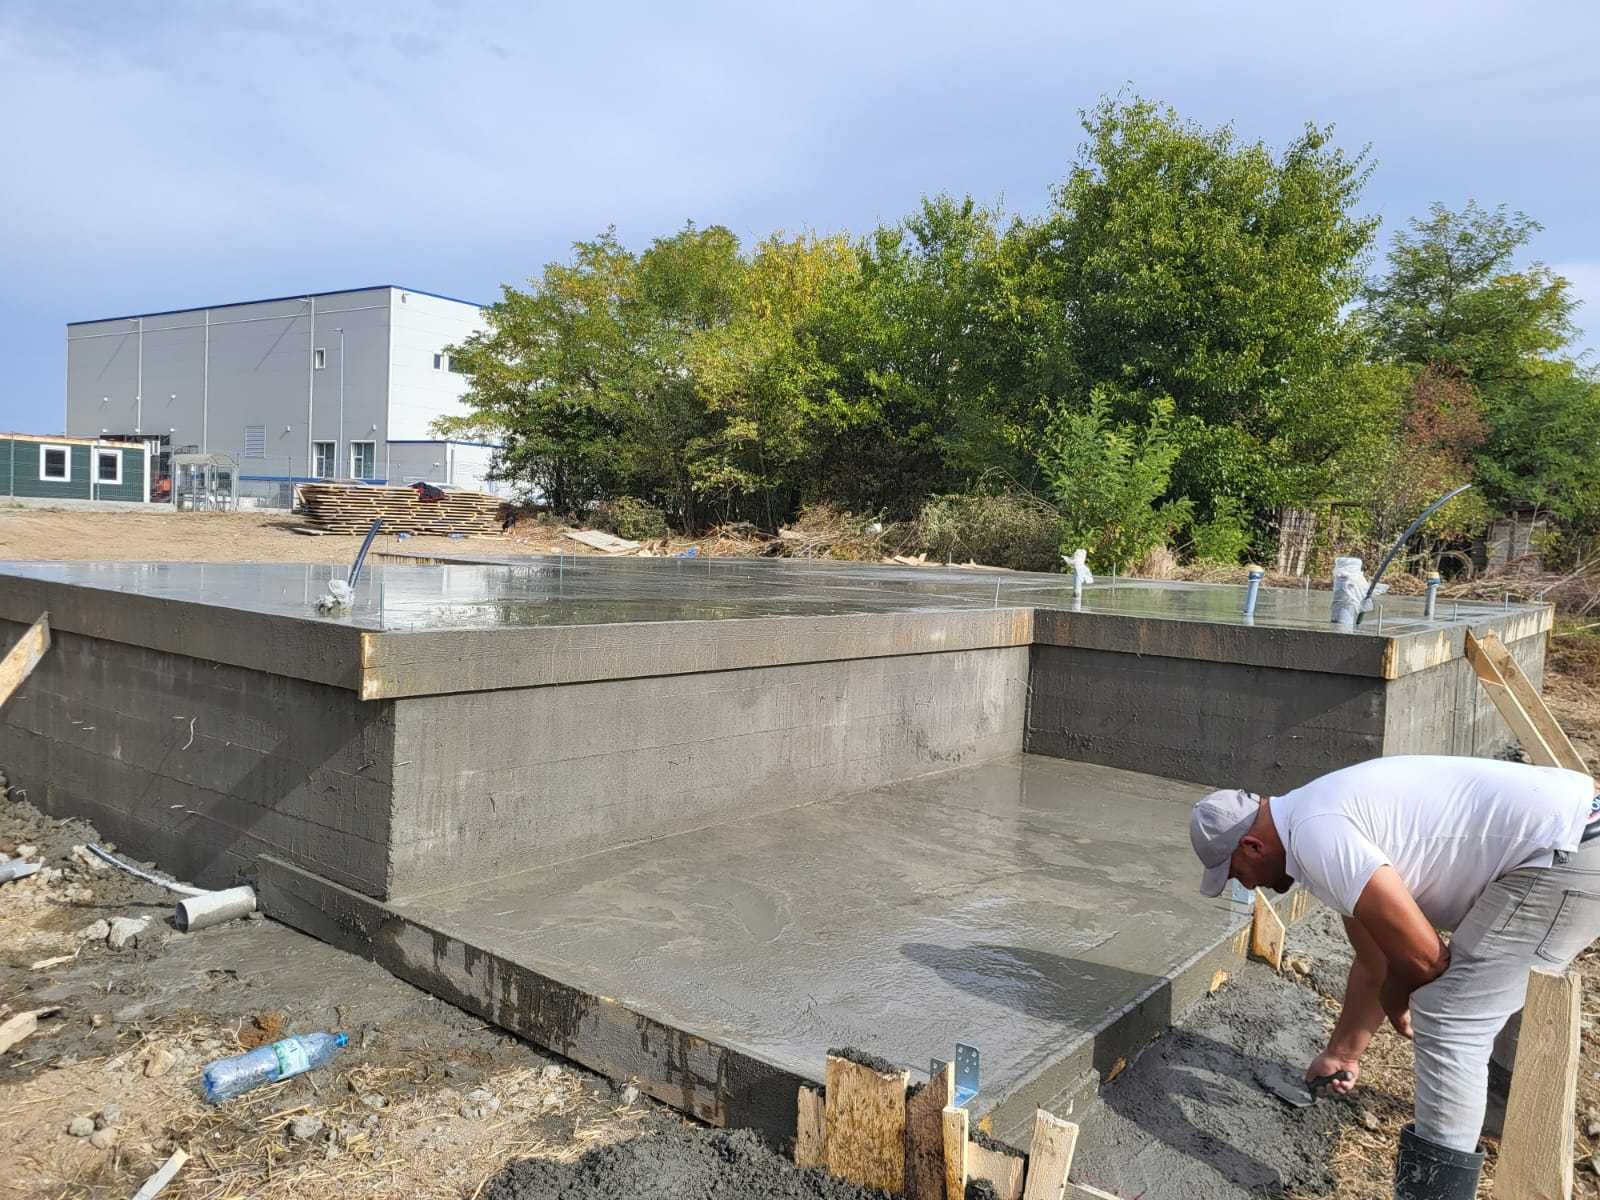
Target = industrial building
(330,385)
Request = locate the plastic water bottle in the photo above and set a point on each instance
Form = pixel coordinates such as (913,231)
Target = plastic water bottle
(229,1077)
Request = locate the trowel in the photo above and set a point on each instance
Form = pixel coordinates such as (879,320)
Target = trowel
(1291,1088)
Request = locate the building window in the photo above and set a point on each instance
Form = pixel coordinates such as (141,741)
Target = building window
(55,463)
(363,459)
(319,358)
(255,441)
(108,466)
(327,454)
(438,362)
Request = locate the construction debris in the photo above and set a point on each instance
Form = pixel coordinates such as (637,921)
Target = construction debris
(608,543)
(164,1176)
(21,1026)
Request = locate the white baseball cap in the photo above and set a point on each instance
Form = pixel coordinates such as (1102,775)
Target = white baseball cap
(1216,826)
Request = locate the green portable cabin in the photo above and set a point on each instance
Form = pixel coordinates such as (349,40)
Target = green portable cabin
(65,468)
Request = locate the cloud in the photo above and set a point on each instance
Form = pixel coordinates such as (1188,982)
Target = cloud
(181,151)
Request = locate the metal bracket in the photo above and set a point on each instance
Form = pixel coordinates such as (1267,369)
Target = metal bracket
(967,1060)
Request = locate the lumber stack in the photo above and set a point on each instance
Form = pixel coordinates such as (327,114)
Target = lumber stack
(869,1127)
(351,508)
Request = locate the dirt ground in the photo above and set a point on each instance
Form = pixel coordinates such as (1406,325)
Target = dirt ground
(58,534)
(428,1102)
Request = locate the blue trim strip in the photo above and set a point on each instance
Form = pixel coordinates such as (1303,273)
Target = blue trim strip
(444,442)
(303,479)
(377,287)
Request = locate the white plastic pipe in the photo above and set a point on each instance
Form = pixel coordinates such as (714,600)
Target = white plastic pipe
(214,908)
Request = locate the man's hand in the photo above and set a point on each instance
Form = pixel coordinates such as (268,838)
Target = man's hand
(1329,1063)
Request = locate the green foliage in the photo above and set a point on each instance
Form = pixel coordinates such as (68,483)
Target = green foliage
(1008,530)
(1177,334)
(1224,537)
(912,363)
(546,376)
(1193,267)
(1543,451)
(1453,298)
(632,518)
(1108,478)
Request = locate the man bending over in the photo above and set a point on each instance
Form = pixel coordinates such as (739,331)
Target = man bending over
(1504,855)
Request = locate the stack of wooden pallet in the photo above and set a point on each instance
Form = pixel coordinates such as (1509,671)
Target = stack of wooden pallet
(350,508)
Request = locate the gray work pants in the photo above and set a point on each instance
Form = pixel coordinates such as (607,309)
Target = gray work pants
(1536,917)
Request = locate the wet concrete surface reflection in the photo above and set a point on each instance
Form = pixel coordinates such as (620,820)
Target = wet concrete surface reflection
(1023,902)
(590,590)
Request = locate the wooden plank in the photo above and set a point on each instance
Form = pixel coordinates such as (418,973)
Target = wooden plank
(597,540)
(866,1124)
(1536,1147)
(1510,708)
(22,658)
(1049,1156)
(811,1130)
(925,1136)
(1531,702)
(1267,934)
(955,1153)
(1001,1169)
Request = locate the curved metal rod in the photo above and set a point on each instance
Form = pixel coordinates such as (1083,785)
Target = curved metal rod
(1401,541)
(361,557)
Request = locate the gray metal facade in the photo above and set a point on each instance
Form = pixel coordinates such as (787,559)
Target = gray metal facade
(295,388)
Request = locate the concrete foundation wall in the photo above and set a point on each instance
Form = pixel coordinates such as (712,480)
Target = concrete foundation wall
(492,782)
(1217,723)
(101,730)
(1445,710)
(1268,729)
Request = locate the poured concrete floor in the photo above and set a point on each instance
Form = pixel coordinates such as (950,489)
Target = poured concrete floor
(1023,905)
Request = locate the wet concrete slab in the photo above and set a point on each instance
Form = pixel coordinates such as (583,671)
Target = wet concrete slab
(1045,911)
(430,627)
(462,594)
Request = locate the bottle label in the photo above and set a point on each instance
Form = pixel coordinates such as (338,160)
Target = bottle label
(292,1057)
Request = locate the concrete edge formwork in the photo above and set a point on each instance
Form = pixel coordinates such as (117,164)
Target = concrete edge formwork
(1323,651)
(319,651)
(396,665)
(718,1083)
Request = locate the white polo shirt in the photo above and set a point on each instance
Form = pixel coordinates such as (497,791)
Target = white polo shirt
(1448,826)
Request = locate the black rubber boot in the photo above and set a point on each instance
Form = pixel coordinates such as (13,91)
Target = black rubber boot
(1425,1170)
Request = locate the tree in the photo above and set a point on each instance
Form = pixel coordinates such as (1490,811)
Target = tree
(756,377)
(909,363)
(545,376)
(1108,478)
(1451,296)
(1454,297)
(1187,265)
(688,285)
(1541,452)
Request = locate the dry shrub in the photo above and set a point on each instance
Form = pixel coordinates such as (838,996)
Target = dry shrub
(1159,562)
(1008,530)
(823,531)
(632,518)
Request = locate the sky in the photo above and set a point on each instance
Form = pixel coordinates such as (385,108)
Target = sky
(190,152)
